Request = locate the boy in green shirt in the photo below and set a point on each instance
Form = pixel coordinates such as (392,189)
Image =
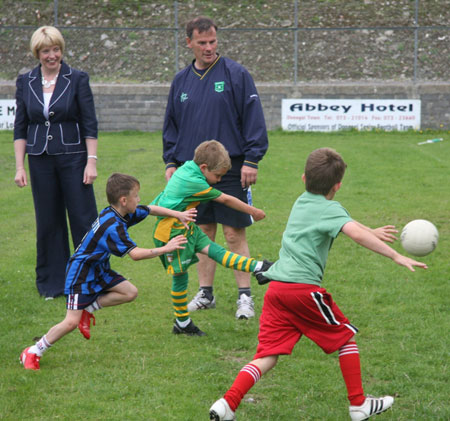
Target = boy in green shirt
(190,185)
(295,304)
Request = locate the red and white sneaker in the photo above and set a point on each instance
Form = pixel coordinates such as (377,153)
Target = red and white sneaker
(29,360)
(85,324)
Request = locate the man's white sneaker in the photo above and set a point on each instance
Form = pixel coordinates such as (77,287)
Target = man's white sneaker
(371,406)
(221,411)
(245,307)
(201,302)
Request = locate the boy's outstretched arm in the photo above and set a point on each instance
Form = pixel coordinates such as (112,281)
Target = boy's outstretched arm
(366,238)
(385,233)
(236,204)
(184,217)
(175,243)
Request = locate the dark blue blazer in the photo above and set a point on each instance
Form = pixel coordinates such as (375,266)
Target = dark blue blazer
(71,113)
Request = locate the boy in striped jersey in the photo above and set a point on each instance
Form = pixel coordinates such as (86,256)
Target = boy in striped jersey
(189,186)
(90,282)
(295,304)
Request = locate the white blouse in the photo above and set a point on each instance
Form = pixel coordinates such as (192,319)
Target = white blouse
(47,96)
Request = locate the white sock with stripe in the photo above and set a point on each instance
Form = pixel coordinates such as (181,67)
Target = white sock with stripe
(93,307)
(244,381)
(351,372)
(40,347)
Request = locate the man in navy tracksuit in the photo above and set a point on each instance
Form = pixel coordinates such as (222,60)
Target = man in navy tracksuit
(216,98)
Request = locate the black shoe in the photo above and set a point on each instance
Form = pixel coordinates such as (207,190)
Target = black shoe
(258,274)
(190,329)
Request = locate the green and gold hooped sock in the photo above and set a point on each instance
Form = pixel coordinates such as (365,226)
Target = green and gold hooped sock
(179,296)
(231,260)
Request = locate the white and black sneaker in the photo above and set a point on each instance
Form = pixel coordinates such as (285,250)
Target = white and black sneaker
(371,406)
(201,302)
(190,329)
(245,307)
(221,411)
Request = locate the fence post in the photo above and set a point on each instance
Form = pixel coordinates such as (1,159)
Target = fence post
(55,13)
(295,41)
(416,39)
(176,36)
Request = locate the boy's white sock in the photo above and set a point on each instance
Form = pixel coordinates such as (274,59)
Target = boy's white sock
(40,346)
(183,324)
(92,307)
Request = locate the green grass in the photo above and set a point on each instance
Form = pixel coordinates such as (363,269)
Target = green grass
(133,368)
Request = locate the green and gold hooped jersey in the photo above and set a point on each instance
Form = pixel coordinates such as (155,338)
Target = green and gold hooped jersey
(185,190)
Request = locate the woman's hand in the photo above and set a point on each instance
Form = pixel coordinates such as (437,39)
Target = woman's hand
(90,171)
(21,178)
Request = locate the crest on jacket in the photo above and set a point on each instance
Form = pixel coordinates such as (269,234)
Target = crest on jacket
(219,86)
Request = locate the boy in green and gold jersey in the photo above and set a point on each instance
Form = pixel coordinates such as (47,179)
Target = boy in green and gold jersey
(187,188)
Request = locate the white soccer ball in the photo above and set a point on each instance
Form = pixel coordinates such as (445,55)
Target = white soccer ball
(419,237)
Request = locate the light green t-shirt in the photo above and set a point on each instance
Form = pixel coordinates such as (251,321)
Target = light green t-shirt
(312,226)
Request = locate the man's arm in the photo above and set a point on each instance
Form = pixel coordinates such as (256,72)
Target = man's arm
(249,175)
(253,130)
(169,134)
(169,172)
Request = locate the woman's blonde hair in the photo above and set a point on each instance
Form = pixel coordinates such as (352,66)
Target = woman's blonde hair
(46,36)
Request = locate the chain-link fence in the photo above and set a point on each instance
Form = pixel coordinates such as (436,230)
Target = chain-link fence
(132,41)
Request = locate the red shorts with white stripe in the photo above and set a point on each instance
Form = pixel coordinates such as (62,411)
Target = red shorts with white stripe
(292,310)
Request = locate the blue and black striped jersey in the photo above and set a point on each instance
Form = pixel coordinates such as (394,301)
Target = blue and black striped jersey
(108,235)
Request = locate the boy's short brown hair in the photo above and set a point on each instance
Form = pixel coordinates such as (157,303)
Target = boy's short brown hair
(213,154)
(119,185)
(201,23)
(324,168)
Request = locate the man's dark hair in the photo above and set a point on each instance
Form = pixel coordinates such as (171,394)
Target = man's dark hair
(201,23)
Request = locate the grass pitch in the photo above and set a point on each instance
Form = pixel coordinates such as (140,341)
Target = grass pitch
(133,368)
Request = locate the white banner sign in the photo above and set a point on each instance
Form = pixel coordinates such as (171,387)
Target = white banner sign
(7,113)
(327,115)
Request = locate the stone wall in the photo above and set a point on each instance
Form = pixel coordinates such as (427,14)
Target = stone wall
(142,107)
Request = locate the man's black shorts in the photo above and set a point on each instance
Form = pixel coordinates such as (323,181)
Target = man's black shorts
(213,212)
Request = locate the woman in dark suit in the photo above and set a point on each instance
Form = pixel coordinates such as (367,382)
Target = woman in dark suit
(56,126)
